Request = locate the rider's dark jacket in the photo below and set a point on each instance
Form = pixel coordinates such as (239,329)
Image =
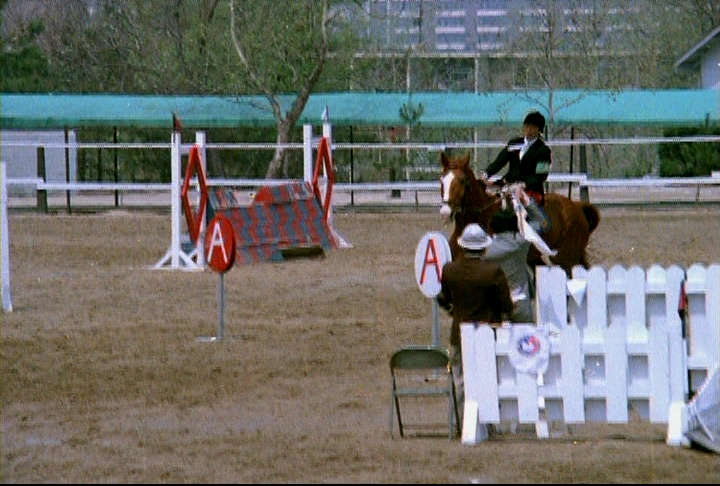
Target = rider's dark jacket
(532,168)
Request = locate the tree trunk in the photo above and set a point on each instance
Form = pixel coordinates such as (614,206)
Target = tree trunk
(276,167)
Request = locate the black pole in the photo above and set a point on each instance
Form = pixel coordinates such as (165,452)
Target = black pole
(572,147)
(115,163)
(41,194)
(584,192)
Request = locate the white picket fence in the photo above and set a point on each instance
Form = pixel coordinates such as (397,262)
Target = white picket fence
(617,350)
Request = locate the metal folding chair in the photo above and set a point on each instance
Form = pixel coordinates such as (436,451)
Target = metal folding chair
(423,372)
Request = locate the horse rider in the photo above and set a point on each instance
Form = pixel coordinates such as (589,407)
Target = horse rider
(529,159)
(473,289)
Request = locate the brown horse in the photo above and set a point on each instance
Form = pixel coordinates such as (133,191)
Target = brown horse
(466,200)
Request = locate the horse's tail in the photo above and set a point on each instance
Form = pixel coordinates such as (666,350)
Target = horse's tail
(592,215)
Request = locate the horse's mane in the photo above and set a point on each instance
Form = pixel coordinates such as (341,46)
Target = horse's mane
(461,163)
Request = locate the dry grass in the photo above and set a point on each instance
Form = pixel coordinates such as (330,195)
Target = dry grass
(105,379)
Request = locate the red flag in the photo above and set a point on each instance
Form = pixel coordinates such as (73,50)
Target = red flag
(177,123)
(683,307)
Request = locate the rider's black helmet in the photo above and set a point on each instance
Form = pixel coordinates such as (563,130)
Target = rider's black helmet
(535,118)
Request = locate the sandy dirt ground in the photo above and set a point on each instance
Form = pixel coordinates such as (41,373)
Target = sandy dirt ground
(107,377)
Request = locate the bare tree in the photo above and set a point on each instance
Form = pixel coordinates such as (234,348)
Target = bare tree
(284,55)
(285,119)
(568,45)
(133,45)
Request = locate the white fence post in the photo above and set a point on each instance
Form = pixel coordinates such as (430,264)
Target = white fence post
(480,382)
(570,378)
(703,291)
(308,153)
(175,254)
(5,237)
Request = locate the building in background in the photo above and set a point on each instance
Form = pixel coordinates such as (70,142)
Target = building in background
(488,45)
(705,58)
(20,150)
(486,27)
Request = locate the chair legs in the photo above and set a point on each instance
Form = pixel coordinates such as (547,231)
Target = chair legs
(423,371)
(454,425)
(395,412)
(454,418)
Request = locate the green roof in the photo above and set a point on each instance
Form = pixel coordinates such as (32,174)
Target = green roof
(572,107)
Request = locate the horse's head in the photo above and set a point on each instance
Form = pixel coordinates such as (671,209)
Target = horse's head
(457,181)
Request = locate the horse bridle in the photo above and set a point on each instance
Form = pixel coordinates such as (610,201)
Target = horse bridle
(463,207)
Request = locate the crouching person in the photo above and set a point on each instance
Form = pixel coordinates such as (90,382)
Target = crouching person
(510,250)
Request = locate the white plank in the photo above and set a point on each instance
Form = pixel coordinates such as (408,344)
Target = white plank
(636,329)
(551,297)
(616,374)
(572,376)
(480,370)
(596,302)
(527,397)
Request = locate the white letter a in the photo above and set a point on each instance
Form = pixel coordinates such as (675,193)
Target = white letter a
(217,240)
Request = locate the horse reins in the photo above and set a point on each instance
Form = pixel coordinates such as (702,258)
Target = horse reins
(464,206)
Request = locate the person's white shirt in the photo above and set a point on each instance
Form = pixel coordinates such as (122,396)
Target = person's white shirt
(526,146)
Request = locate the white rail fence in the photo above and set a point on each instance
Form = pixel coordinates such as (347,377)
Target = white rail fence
(619,351)
(344,193)
(607,191)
